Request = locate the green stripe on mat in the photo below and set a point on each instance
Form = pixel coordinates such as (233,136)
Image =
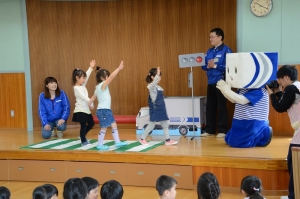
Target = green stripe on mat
(75,144)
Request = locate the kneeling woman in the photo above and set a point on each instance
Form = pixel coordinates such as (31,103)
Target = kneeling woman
(54,109)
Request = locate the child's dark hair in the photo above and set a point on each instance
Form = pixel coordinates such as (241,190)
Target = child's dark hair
(39,193)
(101,74)
(152,72)
(111,190)
(51,190)
(91,183)
(4,193)
(289,71)
(46,89)
(77,73)
(164,183)
(208,186)
(252,187)
(75,188)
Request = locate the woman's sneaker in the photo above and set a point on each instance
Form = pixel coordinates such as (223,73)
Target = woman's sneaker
(102,147)
(143,142)
(120,144)
(170,142)
(60,134)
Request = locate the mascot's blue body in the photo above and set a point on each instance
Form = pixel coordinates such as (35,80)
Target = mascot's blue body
(249,72)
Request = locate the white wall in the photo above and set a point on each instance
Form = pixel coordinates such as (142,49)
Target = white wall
(276,32)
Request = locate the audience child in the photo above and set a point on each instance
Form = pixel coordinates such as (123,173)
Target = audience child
(92,187)
(75,188)
(111,190)
(51,191)
(4,193)
(208,186)
(39,193)
(251,187)
(166,187)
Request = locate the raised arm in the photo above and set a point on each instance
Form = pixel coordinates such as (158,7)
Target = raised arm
(112,76)
(89,71)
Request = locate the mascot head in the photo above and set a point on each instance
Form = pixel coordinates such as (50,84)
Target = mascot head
(251,70)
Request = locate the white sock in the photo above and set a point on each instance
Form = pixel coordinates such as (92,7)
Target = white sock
(101,136)
(115,135)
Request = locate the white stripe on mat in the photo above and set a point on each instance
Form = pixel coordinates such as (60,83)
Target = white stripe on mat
(92,145)
(113,147)
(142,147)
(67,145)
(47,143)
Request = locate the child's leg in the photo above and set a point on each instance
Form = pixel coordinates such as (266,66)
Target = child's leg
(149,128)
(89,126)
(115,135)
(165,127)
(82,131)
(101,136)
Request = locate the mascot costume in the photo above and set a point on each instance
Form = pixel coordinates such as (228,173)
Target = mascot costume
(249,73)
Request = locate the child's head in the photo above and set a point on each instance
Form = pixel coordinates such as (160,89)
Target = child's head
(251,187)
(50,83)
(39,193)
(4,193)
(102,74)
(151,75)
(208,186)
(75,188)
(92,187)
(51,191)
(166,187)
(111,190)
(79,76)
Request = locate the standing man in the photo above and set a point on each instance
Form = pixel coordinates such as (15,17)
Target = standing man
(215,65)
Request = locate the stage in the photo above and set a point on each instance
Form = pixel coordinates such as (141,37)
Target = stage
(185,161)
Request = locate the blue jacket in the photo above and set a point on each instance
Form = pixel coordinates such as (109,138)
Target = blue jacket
(219,55)
(52,110)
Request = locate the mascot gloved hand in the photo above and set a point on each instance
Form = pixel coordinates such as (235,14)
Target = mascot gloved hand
(249,72)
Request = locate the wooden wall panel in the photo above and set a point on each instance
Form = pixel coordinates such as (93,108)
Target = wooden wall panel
(144,33)
(13,97)
(232,177)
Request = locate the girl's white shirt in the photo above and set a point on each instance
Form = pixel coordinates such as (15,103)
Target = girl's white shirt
(82,95)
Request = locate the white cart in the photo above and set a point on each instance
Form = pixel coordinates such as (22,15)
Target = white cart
(180,112)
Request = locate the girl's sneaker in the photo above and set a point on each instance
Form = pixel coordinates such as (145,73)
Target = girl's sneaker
(143,142)
(170,142)
(102,147)
(120,144)
(86,143)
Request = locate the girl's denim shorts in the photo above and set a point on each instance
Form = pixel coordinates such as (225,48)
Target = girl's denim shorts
(105,117)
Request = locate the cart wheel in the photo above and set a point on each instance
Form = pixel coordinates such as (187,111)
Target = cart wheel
(183,130)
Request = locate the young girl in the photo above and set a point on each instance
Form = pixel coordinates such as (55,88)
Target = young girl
(251,187)
(104,112)
(82,113)
(157,107)
(208,186)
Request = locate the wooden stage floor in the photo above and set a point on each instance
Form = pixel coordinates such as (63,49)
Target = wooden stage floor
(211,154)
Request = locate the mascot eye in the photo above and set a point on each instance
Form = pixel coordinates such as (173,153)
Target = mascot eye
(235,70)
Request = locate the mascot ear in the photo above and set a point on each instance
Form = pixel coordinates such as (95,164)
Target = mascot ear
(250,70)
